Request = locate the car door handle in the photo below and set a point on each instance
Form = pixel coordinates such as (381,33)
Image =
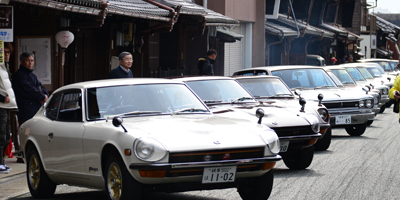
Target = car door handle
(50,136)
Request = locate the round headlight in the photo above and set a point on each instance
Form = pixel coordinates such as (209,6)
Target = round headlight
(149,149)
(271,139)
(368,103)
(376,99)
(314,122)
(385,91)
(361,103)
(324,114)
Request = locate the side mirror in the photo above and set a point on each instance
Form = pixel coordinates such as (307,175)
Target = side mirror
(302,102)
(117,121)
(366,90)
(388,78)
(297,92)
(372,85)
(260,114)
(320,97)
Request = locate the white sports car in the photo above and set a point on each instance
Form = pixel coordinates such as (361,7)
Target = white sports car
(128,136)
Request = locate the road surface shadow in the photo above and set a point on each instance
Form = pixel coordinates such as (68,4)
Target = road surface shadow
(285,172)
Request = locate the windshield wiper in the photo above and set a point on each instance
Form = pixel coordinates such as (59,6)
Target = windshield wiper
(301,88)
(134,113)
(190,110)
(325,86)
(280,95)
(241,99)
(212,101)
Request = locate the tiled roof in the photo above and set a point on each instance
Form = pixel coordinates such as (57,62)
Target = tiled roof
(282,31)
(386,26)
(139,9)
(340,31)
(312,30)
(189,7)
(78,6)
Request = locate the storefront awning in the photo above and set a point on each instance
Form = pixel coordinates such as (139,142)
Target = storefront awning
(231,36)
(341,32)
(312,30)
(278,30)
(138,9)
(79,6)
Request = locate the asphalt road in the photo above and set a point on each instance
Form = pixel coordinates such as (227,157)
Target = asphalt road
(365,167)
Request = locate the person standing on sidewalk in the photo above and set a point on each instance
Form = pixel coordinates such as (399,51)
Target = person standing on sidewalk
(7,103)
(29,91)
(125,64)
(205,65)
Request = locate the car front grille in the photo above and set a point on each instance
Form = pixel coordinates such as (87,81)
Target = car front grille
(342,104)
(216,155)
(292,131)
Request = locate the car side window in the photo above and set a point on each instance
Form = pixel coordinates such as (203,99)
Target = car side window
(71,107)
(53,107)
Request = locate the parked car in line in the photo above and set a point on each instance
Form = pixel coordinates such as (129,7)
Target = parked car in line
(388,65)
(271,90)
(130,136)
(348,109)
(315,60)
(344,77)
(297,131)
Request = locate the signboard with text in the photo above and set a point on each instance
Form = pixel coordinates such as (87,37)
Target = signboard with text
(7,23)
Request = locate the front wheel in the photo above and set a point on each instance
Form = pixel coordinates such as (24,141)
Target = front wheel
(356,130)
(257,188)
(324,142)
(40,185)
(369,122)
(299,159)
(120,184)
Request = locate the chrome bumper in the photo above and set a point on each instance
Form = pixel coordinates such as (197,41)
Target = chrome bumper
(355,118)
(384,99)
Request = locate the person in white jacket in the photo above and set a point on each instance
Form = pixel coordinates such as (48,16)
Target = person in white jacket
(7,103)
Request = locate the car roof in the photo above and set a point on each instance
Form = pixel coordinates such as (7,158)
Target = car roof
(117,82)
(281,67)
(202,78)
(256,77)
(335,67)
(373,60)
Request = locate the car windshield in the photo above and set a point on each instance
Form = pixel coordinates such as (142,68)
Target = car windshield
(344,76)
(385,65)
(365,72)
(335,79)
(380,69)
(393,64)
(305,78)
(374,72)
(220,91)
(355,74)
(141,99)
(266,87)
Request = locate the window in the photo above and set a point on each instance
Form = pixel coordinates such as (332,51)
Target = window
(53,106)
(70,108)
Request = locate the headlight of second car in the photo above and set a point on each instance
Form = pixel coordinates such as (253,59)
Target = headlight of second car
(362,103)
(149,149)
(313,120)
(324,114)
(368,103)
(271,139)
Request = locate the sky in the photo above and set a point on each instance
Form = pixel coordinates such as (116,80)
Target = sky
(386,6)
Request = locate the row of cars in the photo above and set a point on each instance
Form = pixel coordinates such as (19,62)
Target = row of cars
(129,136)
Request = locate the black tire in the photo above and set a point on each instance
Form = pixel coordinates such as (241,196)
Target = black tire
(299,159)
(382,109)
(119,183)
(324,142)
(257,188)
(40,185)
(369,122)
(356,130)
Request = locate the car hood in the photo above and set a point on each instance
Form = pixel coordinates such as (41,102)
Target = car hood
(190,132)
(333,94)
(276,113)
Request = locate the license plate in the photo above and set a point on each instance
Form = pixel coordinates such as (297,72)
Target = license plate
(343,119)
(219,174)
(284,145)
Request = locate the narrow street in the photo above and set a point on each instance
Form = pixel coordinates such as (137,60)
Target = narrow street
(353,168)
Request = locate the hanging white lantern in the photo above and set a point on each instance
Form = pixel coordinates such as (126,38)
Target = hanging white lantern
(64,38)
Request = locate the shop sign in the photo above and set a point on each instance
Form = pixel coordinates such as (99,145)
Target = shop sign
(7,23)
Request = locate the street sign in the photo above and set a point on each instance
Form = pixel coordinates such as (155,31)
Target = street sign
(7,23)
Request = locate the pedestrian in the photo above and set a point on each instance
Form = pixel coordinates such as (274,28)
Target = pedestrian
(333,61)
(7,103)
(344,59)
(29,91)
(350,59)
(205,65)
(123,70)
(398,65)
(395,95)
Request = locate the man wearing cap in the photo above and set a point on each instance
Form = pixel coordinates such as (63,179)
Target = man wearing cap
(333,61)
(123,70)
(351,59)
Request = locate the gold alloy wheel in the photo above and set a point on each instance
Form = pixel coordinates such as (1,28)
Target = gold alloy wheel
(34,171)
(114,179)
